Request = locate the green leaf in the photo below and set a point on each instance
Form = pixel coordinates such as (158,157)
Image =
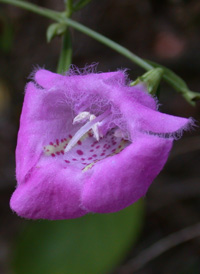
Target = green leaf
(54,30)
(80,4)
(178,84)
(95,243)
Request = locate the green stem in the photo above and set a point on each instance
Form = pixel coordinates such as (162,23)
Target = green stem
(99,37)
(34,8)
(69,8)
(63,18)
(66,53)
(108,42)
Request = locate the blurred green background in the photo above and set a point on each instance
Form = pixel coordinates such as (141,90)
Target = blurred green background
(166,32)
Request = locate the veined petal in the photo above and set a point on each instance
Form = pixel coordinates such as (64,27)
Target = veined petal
(122,179)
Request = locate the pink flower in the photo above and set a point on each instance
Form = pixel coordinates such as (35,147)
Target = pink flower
(88,143)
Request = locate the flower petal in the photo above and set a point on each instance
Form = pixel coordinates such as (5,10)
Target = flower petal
(44,118)
(48,79)
(142,118)
(121,180)
(141,95)
(51,192)
(55,185)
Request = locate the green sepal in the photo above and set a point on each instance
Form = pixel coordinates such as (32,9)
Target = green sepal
(191,96)
(80,4)
(151,78)
(178,84)
(55,29)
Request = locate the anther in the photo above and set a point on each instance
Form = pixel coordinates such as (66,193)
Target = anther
(92,124)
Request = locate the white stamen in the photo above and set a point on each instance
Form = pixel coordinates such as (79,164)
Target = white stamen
(95,128)
(82,117)
(84,129)
(92,117)
(118,133)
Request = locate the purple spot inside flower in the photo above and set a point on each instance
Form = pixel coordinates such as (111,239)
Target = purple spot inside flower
(67,161)
(79,152)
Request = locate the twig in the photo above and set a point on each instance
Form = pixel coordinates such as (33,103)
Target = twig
(160,247)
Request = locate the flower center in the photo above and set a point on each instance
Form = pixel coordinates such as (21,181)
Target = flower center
(91,143)
(94,123)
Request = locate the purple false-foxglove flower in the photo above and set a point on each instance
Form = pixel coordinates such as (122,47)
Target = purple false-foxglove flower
(88,143)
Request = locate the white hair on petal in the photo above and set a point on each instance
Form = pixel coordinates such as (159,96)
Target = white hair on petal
(74,70)
(190,125)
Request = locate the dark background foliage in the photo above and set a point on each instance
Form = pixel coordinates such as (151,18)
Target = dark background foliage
(163,31)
